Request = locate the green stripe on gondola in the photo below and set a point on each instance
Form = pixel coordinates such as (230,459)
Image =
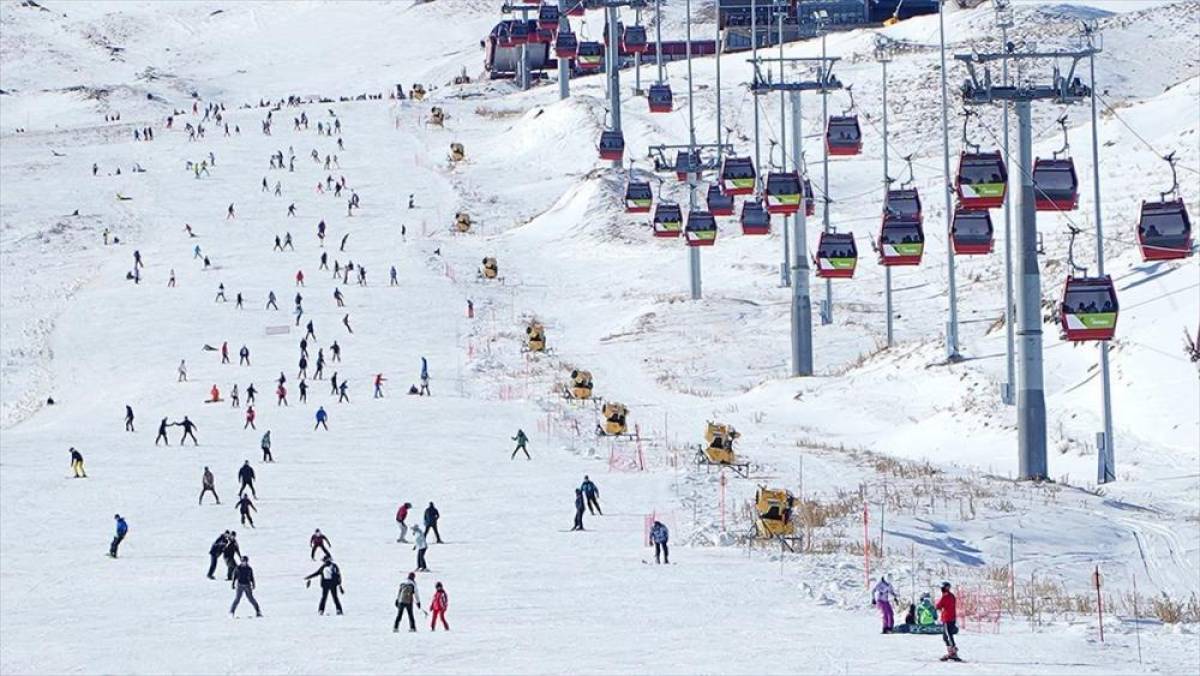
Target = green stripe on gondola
(641,202)
(839,263)
(908,248)
(742,182)
(1094,320)
(784,199)
(670,226)
(590,60)
(983,190)
(703,234)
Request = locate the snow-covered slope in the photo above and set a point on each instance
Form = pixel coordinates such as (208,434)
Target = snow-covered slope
(925,445)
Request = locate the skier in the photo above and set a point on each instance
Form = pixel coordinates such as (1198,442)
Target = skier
(441,602)
(303,387)
(234,397)
(322,416)
(271,300)
(287,241)
(189,430)
(431,521)
(425,377)
(215,551)
(220,293)
(659,535)
(299,278)
(338,297)
(162,432)
(947,606)
(129,418)
(303,370)
(318,541)
(122,529)
(182,370)
(250,415)
(331,584)
(238,301)
(207,485)
(171,279)
(250,392)
(229,212)
(246,477)
(342,396)
(470,309)
(243,582)
(401,517)
(281,395)
(346,323)
(225,352)
(379,385)
(266,447)
(244,356)
(421,544)
(578,510)
(244,505)
(231,554)
(592,494)
(521,440)
(883,595)
(405,598)
(335,350)
(77,464)
(392,281)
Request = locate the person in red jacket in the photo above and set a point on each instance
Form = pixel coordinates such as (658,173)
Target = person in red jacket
(401,516)
(250,413)
(299,278)
(947,607)
(440,603)
(319,541)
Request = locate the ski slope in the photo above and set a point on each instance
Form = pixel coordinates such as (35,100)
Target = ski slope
(526,596)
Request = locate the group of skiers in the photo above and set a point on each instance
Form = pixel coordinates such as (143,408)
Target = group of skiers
(883,595)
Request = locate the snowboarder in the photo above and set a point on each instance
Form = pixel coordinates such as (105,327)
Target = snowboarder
(578,510)
(162,432)
(318,541)
(129,418)
(207,485)
(122,529)
(659,535)
(405,598)
(266,447)
(243,582)
(244,505)
(882,596)
(331,584)
(431,521)
(215,551)
(441,602)
(322,416)
(189,430)
(246,477)
(420,544)
(521,440)
(77,463)
(947,606)
(401,518)
(592,494)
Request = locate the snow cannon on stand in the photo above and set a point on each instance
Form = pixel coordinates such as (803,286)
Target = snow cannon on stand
(463,222)
(773,515)
(490,269)
(614,424)
(535,337)
(581,385)
(717,450)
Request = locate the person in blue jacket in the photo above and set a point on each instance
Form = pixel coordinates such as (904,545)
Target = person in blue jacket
(578,510)
(322,416)
(592,494)
(659,536)
(122,529)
